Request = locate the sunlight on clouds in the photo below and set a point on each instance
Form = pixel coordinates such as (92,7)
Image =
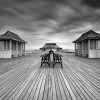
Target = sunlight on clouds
(66,45)
(84,27)
(59,39)
(43,21)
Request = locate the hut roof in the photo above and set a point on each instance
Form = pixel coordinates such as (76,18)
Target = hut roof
(50,43)
(51,46)
(11,36)
(88,35)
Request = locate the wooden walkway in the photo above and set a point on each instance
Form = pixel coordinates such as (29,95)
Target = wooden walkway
(23,79)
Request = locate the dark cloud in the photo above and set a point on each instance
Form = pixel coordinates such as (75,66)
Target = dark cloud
(26,29)
(56,1)
(92,3)
(6,13)
(43,11)
(22,0)
(49,1)
(82,19)
(50,20)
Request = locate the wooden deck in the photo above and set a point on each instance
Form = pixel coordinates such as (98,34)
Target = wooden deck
(23,79)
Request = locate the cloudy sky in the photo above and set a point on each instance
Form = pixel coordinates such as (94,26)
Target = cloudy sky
(41,21)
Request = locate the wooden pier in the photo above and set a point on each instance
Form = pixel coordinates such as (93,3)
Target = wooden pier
(23,79)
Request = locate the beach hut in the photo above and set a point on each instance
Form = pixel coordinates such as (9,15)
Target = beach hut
(52,46)
(88,45)
(11,45)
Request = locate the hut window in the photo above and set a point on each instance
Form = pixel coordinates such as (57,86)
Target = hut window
(93,44)
(6,45)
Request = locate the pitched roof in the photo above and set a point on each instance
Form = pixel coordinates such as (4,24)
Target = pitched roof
(51,46)
(11,36)
(88,35)
(50,43)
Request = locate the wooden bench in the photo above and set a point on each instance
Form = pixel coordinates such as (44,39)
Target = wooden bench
(45,59)
(57,59)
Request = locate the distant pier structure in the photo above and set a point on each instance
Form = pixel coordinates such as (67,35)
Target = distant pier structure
(49,46)
(11,45)
(88,45)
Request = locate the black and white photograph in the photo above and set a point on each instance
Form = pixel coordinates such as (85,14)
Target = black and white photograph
(49,49)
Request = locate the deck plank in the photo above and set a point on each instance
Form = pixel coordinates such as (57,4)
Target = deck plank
(26,96)
(60,86)
(31,95)
(37,93)
(14,81)
(40,96)
(54,97)
(24,79)
(67,93)
(87,79)
(50,85)
(45,94)
(58,92)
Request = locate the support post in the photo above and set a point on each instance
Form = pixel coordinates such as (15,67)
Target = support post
(82,48)
(75,49)
(78,48)
(17,47)
(23,48)
(88,48)
(11,47)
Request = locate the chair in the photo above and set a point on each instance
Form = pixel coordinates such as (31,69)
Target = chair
(45,59)
(57,59)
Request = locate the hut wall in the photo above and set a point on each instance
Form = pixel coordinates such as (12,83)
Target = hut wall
(14,53)
(14,49)
(23,49)
(5,51)
(78,51)
(94,51)
(81,49)
(85,49)
(19,49)
(9,49)
(5,54)
(94,54)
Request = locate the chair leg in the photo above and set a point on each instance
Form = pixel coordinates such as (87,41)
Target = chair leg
(61,65)
(49,65)
(53,64)
(41,64)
